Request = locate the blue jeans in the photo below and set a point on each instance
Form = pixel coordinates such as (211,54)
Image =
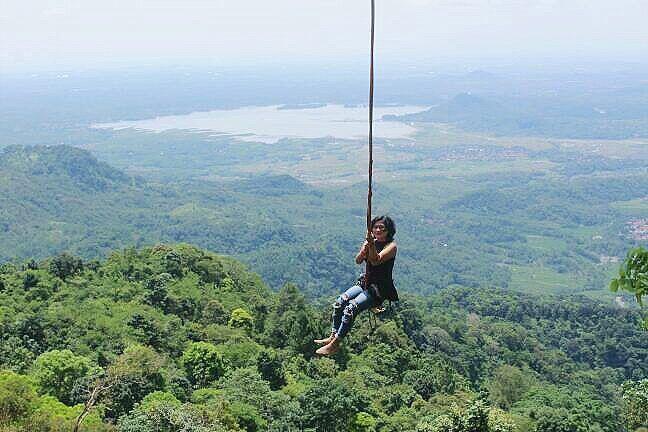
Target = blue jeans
(347,306)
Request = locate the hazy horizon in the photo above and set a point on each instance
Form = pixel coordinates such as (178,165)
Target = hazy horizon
(47,35)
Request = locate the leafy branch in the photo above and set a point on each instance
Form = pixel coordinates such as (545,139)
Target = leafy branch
(633,274)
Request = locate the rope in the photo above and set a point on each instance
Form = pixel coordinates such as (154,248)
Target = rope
(371,96)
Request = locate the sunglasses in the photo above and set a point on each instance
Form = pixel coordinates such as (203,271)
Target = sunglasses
(380,227)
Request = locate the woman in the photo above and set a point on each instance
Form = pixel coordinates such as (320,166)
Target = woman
(379,250)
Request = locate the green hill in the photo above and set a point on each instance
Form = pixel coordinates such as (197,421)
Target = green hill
(552,231)
(182,339)
(62,198)
(55,199)
(62,163)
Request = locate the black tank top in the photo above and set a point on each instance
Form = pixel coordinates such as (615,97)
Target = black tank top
(381,275)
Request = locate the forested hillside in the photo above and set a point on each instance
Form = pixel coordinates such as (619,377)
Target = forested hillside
(174,338)
(557,230)
(61,198)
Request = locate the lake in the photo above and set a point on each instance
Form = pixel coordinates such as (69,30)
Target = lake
(271,123)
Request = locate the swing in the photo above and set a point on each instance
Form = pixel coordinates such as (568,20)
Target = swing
(376,310)
(332,342)
(371,97)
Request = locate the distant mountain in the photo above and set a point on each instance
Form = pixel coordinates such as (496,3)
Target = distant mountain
(538,115)
(462,108)
(62,162)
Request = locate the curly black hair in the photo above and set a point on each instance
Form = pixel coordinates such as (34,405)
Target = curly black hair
(389,225)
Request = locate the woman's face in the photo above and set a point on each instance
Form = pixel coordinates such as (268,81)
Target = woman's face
(379,230)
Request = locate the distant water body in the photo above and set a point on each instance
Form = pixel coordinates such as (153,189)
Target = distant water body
(271,123)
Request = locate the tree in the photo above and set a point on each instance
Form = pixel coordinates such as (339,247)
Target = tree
(17,397)
(387,361)
(499,421)
(363,422)
(92,390)
(209,269)
(240,354)
(395,397)
(156,293)
(252,401)
(30,280)
(635,403)
(561,408)
(214,313)
(173,263)
(330,406)
(271,368)
(65,265)
(508,385)
(133,375)
(291,323)
(437,339)
(242,319)
(160,331)
(203,363)
(476,416)
(561,420)
(162,412)
(56,373)
(246,385)
(432,377)
(248,416)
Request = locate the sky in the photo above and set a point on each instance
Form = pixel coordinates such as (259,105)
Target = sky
(59,34)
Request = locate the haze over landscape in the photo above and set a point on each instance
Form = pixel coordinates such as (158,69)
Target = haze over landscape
(51,35)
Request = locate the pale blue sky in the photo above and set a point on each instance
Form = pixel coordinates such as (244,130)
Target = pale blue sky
(51,34)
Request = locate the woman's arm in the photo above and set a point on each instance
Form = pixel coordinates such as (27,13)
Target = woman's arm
(362,254)
(386,254)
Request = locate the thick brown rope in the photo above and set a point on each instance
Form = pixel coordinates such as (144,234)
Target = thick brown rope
(371,95)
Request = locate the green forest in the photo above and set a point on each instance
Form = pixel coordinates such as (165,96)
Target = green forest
(175,281)
(175,338)
(543,229)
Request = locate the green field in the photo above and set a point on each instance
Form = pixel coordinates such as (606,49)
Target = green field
(542,280)
(635,207)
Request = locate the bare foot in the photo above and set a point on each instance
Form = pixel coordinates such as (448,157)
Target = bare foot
(325,341)
(329,349)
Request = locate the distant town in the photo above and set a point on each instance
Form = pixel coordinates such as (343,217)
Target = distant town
(638,229)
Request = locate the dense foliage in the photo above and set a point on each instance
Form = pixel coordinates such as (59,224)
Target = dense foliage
(633,276)
(174,338)
(549,232)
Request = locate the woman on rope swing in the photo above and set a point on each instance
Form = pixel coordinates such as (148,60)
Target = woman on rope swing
(379,251)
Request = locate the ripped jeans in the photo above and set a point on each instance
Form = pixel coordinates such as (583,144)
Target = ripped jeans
(347,306)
